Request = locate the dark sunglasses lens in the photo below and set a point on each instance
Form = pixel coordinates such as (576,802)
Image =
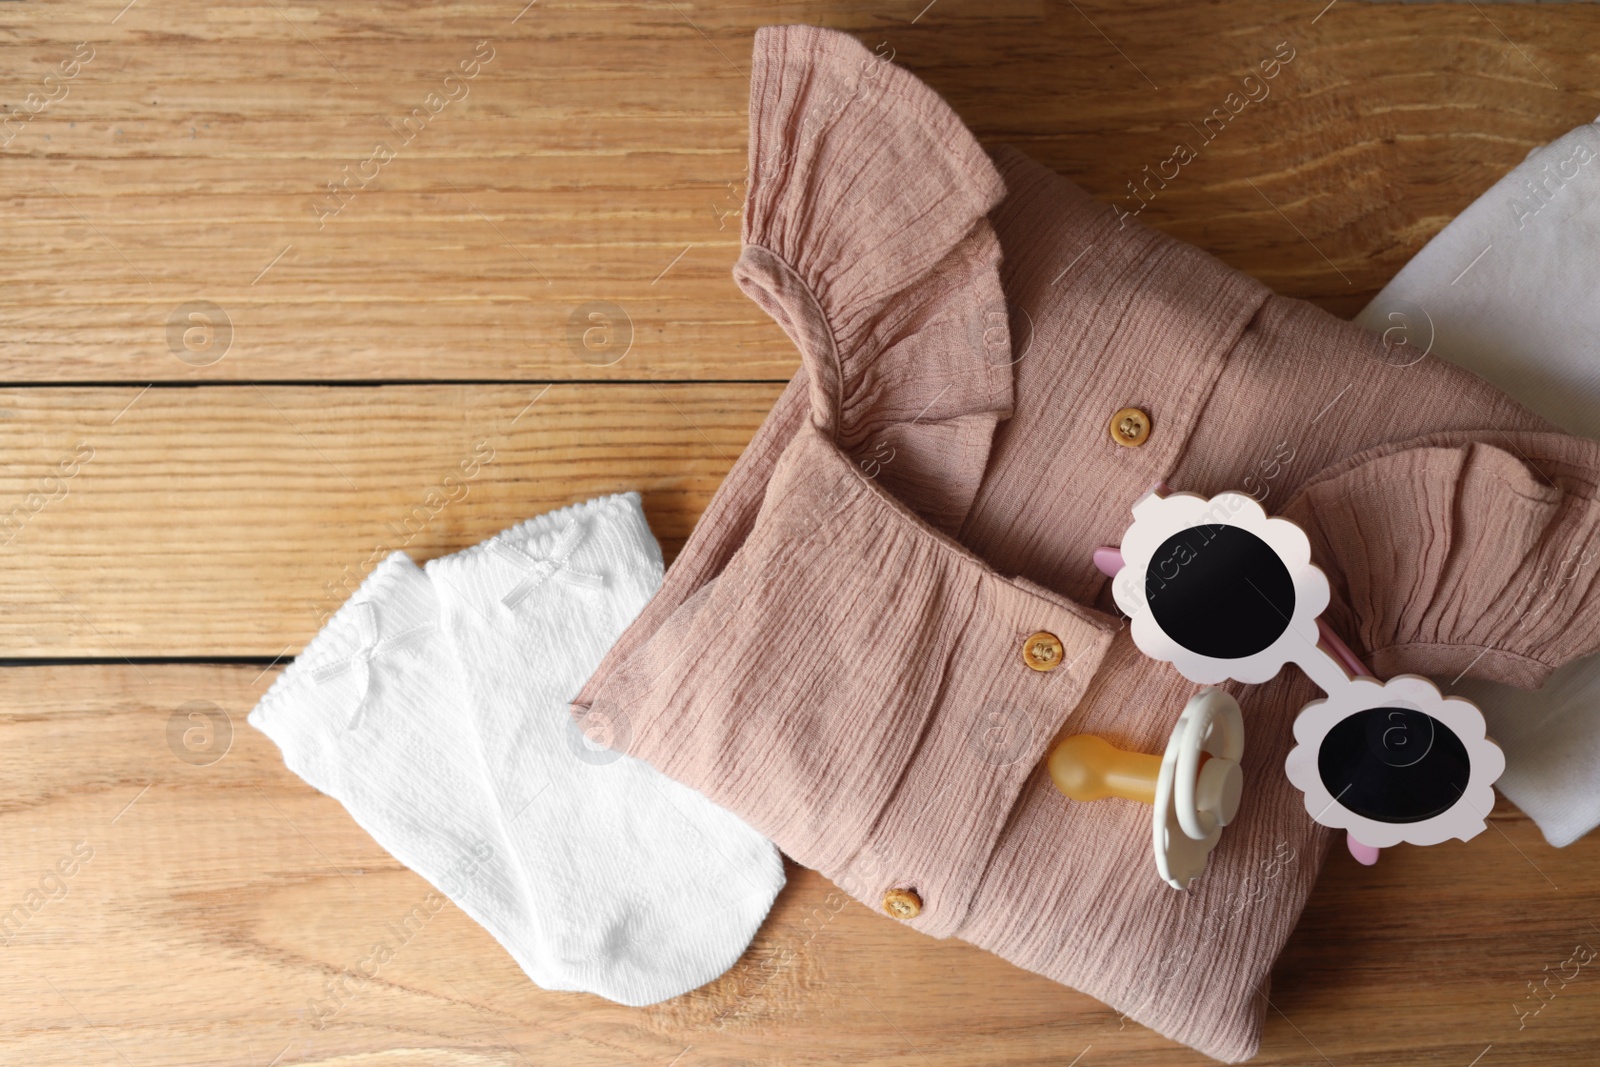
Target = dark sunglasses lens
(1394,765)
(1220,591)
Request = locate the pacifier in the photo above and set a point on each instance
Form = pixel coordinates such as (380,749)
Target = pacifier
(1193,789)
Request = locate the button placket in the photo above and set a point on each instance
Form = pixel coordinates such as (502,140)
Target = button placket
(1045,653)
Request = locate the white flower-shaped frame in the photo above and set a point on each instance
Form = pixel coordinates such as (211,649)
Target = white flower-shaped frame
(1462,819)
(1159,518)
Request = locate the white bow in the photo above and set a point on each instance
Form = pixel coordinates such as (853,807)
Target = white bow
(536,570)
(370,646)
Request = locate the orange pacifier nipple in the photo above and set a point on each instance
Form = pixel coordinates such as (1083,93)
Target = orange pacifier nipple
(1086,768)
(1194,789)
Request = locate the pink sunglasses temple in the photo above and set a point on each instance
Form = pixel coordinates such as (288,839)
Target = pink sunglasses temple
(1340,651)
(1366,855)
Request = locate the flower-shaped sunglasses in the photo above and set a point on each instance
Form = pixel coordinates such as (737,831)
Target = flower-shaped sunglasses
(1224,592)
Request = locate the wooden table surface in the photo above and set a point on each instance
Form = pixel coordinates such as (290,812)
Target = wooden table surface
(229,391)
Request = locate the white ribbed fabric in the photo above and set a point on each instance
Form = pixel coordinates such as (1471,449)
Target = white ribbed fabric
(649,888)
(374,714)
(1510,290)
(434,707)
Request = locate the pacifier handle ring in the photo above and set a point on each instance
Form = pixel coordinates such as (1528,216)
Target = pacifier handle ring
(1210,725)
(1190,736)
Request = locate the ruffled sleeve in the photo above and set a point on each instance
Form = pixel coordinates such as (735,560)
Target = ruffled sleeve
(1452,555)
(866,240)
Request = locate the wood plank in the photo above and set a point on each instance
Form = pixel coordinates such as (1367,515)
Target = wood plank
(224,894)
(603,142)
(231,520)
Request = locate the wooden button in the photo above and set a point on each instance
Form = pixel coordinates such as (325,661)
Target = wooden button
(1042,651)
(902,903)
(1130,427)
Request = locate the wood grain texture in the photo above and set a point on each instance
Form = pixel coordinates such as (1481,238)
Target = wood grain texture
(572,219)
(223,894)
(231,521)
(598,159)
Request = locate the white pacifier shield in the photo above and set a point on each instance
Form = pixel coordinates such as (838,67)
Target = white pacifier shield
(1193,804)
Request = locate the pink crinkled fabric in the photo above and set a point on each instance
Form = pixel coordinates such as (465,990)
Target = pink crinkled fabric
(836,655)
